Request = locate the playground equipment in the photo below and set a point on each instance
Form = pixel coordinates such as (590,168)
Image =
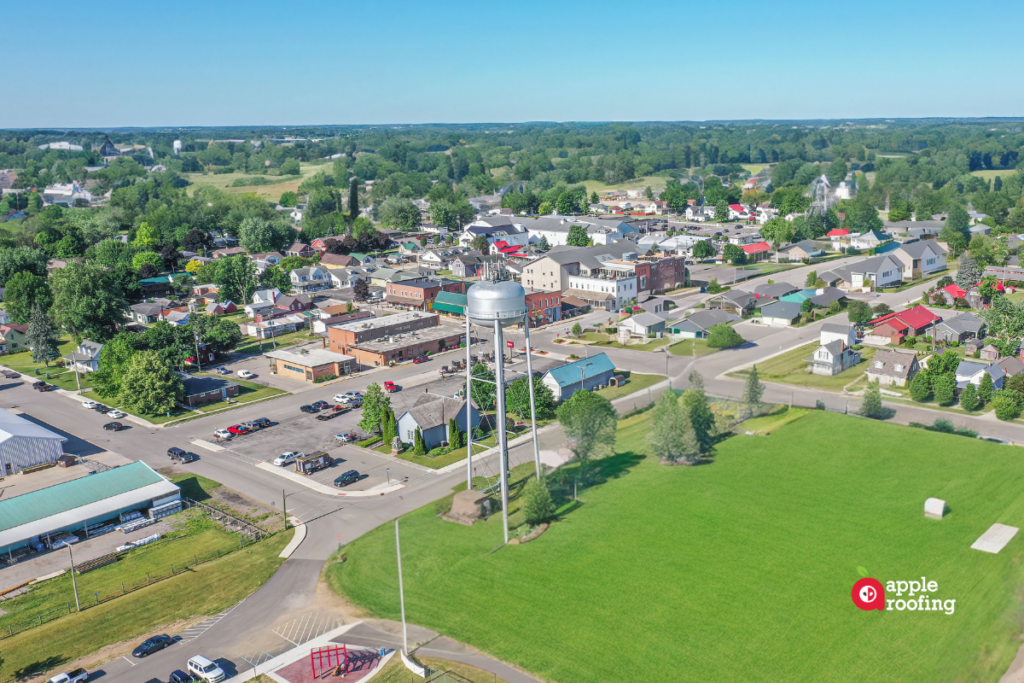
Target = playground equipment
(331,659)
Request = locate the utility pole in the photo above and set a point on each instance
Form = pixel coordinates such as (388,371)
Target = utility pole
(74,582)
(401,592)
(284,509)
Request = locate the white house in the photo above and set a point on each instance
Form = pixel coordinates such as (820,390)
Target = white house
(968,372)
(920,258)
(266,296)
(311,279)
(831,332)
(833,357)
(601,292)
(642,325)
(86,357)
(868,240)
(878,271)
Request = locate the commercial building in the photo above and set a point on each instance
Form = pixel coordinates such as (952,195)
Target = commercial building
(406,346)
(420,295)
(202,390)
(31,521)
(309,363)
(340,337)
(543,307)
(23,444)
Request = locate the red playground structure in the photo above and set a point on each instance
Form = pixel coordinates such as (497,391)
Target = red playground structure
(332,659)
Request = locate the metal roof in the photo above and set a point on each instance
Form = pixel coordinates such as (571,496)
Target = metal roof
(591,367)
(12,425)
(74,494)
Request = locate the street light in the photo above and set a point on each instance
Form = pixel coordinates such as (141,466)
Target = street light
(284,506)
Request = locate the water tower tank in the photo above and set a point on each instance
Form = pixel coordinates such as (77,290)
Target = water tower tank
(490,301)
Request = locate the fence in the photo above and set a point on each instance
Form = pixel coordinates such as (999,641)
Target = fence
(90,600)
(227,520)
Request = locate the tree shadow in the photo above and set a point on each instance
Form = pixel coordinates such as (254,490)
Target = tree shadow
(568,481)
(36,668)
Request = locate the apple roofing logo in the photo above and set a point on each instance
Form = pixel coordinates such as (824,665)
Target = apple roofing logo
(868,593)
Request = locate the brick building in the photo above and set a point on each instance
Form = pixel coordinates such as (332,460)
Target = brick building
(420,294)
(544,307)
(341,337)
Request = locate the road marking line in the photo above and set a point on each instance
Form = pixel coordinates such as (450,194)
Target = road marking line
(128,660)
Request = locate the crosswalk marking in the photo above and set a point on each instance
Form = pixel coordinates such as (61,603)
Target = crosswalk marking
(190,634)
(307,627)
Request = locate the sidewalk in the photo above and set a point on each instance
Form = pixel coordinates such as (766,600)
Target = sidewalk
(323,488)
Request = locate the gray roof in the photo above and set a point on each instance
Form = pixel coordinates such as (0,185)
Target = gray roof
(705,320)
(286,301)
(202,384)
(776,289)
(738,297)
(431,410)
(917,249)
(969,368)
(781,309)
(16,426)
(1010,365)
(965,322)
(591,256)
(890,358)
(147,309)
(835,347)
(868,265)
(903,226)
(836,328)
(827,296)
(647,319)
(807,245)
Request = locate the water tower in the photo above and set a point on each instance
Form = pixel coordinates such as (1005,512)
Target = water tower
(177,147)
(497,305)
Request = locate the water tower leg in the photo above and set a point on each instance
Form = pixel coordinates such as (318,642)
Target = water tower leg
(533,403)
(499,386)
(469,401)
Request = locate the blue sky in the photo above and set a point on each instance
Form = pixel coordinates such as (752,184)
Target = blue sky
(233,63)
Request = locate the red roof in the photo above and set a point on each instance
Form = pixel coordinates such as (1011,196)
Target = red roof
(837,232)
(737,207)
(508,250)
(954,291)
(916,317)
(755,248)
(999,286)
(500,244)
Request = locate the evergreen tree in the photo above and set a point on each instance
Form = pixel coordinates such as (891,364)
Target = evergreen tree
(543,244)
(454,435)
(750,403)
(695,403)
(944,388)
(921,387)
(969,398)
(42,336)
(696,381)
(967,274)
(537,504)
(985,388)
(671,435)
(872,405)
(419,446)
(389,426)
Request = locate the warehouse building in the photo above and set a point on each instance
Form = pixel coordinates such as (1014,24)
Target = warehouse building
(406,346)
(24,444)
(74,510)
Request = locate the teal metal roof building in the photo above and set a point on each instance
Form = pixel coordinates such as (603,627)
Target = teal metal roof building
(585,373)
(450,302)
(77,504)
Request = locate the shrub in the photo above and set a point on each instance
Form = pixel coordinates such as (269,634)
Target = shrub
(969,398)
(538,507)
(1006,406)
(724,337)
(325,378)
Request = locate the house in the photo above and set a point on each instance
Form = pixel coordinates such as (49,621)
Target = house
(800,251)
(756,251)
(432,414)
(162,285)
(833,357)
(1010,365)
(254,309)
(176,318)
(734,301)
(86,357)
(342,278)
(297,303)
(837,235)
(951,293)
(310,279)
(776,290)
(959,329)
(780,313)
(228,252)
(146,313)
(300,249)
(871,273)
(585,373)
(339,260)
(271,257)
(644,325)
(202,390)
(893,366)
(698,325)
(262,296)
(989,353)
(737,212)
(831,332)
(969,372)
(920,258)
(911,322)
(221,308)
(470,265)
(868,240)
(319,245)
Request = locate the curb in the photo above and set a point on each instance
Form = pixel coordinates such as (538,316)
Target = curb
(323,488)
(297,539)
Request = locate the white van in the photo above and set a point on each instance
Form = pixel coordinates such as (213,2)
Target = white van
(205,670)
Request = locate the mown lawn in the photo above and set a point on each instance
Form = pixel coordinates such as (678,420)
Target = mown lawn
(740,570)
(634,383)
(791,368)
(206,590)
(272,192)
(253,346)
(691,347)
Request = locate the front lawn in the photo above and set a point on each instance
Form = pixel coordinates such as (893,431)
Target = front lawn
(740,570)
(791,367)
(691,347)
(634,383)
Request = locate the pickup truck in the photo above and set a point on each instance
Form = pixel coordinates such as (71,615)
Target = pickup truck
(75,676)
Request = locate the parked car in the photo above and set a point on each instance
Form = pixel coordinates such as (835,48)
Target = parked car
(182,456)
(287,458)
(262,422)
(252,426)
(151,645)
(391,387)
(350,400)
(321,405)
(43,386)
(420,359)
(100,408)
(113,426)
(245,374)
(205,670)
(179,676)
(91,405)
(74,676)
(223,434)
(309,409)
(349,477)
(348,396)
(222,371)
(116,414)
(238,429)
(346,438)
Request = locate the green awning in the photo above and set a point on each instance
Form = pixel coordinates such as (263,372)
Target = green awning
(448,308)
(450,302)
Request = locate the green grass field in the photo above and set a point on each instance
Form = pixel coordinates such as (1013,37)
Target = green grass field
(790,367)
(271,192)
(691,347)
(657,184)
(990,175)
(634,383)
(740,570)
(753,169)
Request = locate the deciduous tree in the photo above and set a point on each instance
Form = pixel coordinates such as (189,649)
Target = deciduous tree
(150,386)
(538,507)
(872,403)
(25,291)
(671,436)
(589,422)
(753,390)
(87,301)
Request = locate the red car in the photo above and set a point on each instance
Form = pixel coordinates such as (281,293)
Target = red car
(391,387)
(238,429)
(420,359)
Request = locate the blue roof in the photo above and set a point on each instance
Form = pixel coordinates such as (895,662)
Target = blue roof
(591,367)
(158,280)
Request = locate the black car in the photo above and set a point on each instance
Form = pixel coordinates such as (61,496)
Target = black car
(43,386)
(309,409)
(113,426)
(179,676)
(262,422)
(321,405)
(349,477)
(154,644)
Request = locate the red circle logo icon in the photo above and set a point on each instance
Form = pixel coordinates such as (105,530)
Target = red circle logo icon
(868,594)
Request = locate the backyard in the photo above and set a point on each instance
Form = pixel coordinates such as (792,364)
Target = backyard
(791,366)
(739,570)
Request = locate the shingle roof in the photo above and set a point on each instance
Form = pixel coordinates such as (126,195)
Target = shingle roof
(917,249)
(835,347)
(776,289)
(966,322)
(836,328)
(431,410)
(890,358)
(591,367)
(781,309)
